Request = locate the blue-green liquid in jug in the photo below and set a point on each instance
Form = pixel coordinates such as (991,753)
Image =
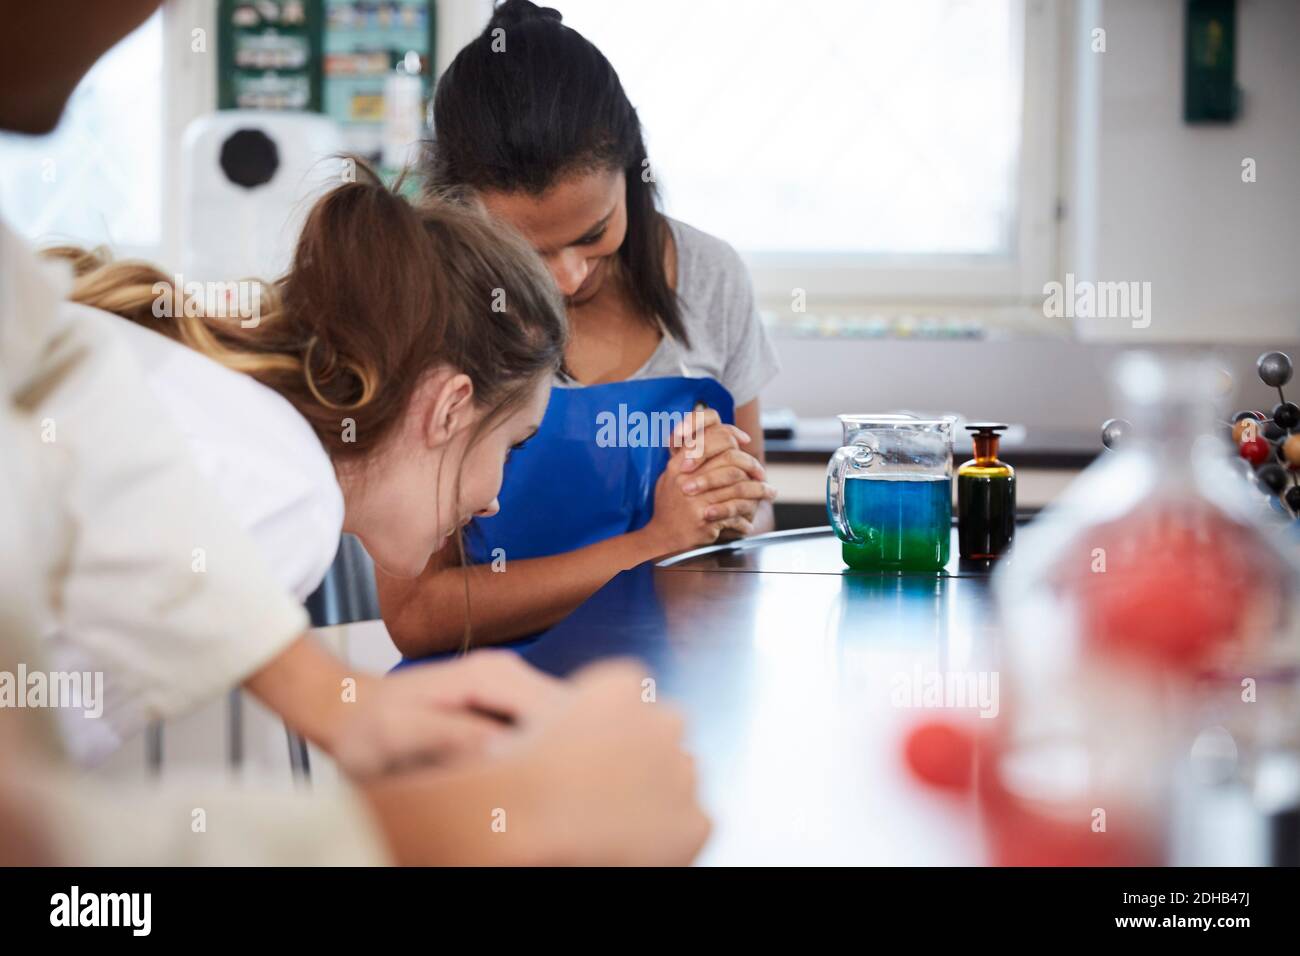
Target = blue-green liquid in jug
(904,522)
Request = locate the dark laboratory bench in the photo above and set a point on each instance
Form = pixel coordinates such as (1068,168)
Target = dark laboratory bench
(786,665)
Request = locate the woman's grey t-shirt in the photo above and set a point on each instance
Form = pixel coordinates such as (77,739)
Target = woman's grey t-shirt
(727,339)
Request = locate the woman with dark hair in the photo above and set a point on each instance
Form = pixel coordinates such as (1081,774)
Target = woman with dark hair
(532,123)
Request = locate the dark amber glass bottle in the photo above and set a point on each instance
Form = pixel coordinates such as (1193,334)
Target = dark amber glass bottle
(986,497)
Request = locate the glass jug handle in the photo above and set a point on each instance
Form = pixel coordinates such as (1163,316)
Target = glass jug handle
(850,456)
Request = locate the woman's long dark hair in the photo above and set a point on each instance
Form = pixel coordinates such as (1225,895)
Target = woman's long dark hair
(530,101)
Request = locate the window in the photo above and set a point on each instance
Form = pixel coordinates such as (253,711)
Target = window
(860,149)
(98,177)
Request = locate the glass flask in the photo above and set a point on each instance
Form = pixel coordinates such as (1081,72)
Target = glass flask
(1133,610)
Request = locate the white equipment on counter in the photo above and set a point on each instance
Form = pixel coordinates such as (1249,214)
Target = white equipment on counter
(248,179)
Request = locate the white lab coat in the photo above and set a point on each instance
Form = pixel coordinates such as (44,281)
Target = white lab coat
(102,515)
(274,480)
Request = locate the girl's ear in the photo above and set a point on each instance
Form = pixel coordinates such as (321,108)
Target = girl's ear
(448,407)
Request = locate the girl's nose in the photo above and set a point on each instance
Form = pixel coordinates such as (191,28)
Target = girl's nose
(490,510)
(569,269)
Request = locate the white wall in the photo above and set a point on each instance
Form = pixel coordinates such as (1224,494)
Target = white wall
(1222,256)
(1040,382)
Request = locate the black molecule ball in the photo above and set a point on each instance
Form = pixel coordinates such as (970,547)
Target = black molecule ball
(1274,369)
(1271,477)
(1114,431)
(1286,415)
(1274,432)
(1292,497)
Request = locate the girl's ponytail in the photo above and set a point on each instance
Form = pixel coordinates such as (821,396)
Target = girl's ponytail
(379,293)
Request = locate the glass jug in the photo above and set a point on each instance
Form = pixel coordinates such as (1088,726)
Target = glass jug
(889,492)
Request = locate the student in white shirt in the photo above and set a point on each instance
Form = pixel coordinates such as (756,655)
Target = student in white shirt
(91,524)
(375,394)
(97,527)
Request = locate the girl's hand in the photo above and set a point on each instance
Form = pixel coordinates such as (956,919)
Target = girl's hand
(725,485)
(683,521)
(713,467)
(702,435)
(703,439)
(599,779)
(610,782)
(442,712)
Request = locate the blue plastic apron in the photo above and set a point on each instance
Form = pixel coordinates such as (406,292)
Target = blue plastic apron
(589,474)
(590,471)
